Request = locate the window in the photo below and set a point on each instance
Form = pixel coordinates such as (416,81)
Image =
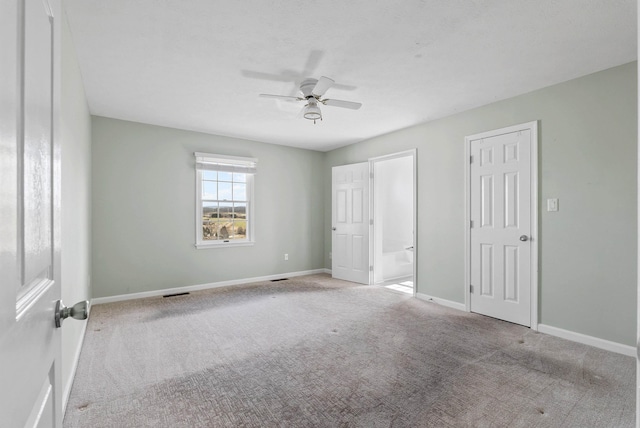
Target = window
(224,195)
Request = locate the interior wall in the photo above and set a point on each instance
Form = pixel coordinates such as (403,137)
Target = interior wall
(76,201)
(144,210)
(587,159)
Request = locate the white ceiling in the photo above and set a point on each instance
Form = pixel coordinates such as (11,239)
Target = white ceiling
(200,64)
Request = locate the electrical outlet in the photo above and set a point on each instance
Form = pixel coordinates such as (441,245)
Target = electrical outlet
(286,256)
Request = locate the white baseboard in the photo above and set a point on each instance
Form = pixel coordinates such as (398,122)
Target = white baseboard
(588,340)
(189,288)
(443,302)
(76,358)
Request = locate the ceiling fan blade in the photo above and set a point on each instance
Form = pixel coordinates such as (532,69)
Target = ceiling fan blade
(321,87)
(344,87)
(281,97)
(343,104)
(312,62)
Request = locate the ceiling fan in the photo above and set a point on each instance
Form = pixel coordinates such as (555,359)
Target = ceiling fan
(312,91)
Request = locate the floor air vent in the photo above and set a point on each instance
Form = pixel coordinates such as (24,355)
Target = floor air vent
(281,279)
(176,294)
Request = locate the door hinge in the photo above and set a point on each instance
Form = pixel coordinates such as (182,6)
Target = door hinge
(370,268)
(471,288)
(470,159)
(471,223)
(371,175)
(371,222)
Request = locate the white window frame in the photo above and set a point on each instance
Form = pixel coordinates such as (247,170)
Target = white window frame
(250,164)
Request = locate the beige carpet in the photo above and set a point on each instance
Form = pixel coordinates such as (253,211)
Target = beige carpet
(317,352)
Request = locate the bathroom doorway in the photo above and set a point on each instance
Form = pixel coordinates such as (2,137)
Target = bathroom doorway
(393,227)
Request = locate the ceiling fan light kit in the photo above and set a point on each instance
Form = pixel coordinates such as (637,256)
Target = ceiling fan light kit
(312,112)
(312,90)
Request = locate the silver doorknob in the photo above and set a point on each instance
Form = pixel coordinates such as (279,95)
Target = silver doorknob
(524,238)
(79,311)
(333,228)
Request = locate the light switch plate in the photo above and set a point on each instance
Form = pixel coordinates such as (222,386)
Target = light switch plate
(552,204)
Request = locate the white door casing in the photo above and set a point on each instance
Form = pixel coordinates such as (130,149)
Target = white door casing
(350,222)
(30,213)
(502,232)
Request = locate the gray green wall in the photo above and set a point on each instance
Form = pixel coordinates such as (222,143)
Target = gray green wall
(143,199)
(587,159)
(144,210)
(76,201)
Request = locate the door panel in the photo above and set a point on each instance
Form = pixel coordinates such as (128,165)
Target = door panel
(511,286)
(350,222)
(43,411)
(500,181)
(30,212)
(37,150)
(486,189)
(486,269)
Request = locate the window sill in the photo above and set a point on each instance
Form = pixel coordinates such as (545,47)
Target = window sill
(207,245)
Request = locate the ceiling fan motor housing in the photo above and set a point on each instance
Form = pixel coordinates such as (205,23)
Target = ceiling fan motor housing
(306,87)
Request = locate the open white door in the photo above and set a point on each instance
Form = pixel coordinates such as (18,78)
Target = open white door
(502,241)
(30,212)
(350,222)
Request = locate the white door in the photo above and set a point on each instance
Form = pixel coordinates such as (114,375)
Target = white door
(29,212)
(350,222)
(501,225)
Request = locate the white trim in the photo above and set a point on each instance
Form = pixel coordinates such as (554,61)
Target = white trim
(607,345)
(231,243)
(533,127)
(235,159)
(198,287)
(372,260)
(637,356)
(250,239)
(442,302)
(74,367)
(402,154)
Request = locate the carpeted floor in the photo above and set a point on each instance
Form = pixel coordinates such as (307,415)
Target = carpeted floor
(317,352)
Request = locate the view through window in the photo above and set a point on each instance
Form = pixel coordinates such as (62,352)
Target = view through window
(224,199)
(224,205)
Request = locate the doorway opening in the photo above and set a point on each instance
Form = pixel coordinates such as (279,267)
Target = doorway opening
(393,208)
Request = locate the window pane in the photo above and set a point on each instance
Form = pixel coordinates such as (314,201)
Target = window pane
(209,190)
(239,192)
(240,220)
(240,210)
(224,176)
(209,175)
(239,177)
(224,191)
(226,210)
(221,221)
(210,209)
(209,221)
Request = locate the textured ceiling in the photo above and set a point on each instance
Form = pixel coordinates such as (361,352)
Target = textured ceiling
(200,64)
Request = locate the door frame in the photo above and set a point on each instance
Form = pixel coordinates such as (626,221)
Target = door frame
(414,155)
(533,127)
